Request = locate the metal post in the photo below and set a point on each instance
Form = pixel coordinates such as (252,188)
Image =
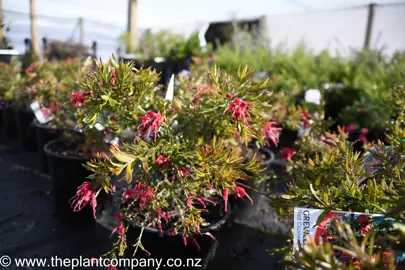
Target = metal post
(369,27)
(81,31)
(34,33)
(131,26)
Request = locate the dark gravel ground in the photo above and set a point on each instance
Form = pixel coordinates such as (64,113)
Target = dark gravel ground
(29,230)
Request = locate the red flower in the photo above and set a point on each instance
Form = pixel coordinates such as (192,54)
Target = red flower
(112,118)
(185,240)
(30,69)
(184,173)
(349,128)
(305,118)
(240,192)
(141,192)
(196,243)
(165,162)
(162,160)
(120,229)
(113,78)
(363,135)
(287,153)
(272,132)
(69,60)
(77,99)
(201,89)
(239,110)
(225,195)
(84,196)
(52,107)
(151,121)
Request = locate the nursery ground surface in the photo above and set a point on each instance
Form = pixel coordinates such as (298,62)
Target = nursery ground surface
(29,230)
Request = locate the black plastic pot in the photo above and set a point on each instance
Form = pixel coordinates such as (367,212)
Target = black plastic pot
(26,130)
(172,247)
(160,67)
(337,99)
(9,122)
(244,209)
(45,134)
(67,173)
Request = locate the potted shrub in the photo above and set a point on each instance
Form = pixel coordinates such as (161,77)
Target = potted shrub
(59,116)
(83,141)
(38,80)
(11,80)
(328,173)
(184,163)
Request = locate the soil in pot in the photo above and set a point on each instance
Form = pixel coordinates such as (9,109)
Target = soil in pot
(172,247)
(45,134)
(26,129)
(9,122)
(67,173)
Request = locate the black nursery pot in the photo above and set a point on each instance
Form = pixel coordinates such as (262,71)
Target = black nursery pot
(172,247)
(45,134)
(26,130)
(244,209)
(9,122)
(67,173)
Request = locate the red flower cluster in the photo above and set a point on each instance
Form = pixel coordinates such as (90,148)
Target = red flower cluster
(305,118)
(363,135)
(30,69)
(239,110)
(272,132)
(84,196)
(199,92)
(77,99)
(287,153)
(162,161)
(349,128)
(150,122)
(141,192)
(200,200)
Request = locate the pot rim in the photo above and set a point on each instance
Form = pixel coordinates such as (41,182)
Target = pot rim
(210,228)
(44,126)
(48,150)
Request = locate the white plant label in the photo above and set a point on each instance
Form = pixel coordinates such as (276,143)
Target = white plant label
(313,96)
(170,89)
(39,114)
(201,35)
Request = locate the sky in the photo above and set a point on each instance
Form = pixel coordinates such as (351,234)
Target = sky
(161,13)
(106,19)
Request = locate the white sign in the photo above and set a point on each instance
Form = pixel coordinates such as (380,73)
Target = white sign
(313,96)
(170,89)
(201,35)
(39,114)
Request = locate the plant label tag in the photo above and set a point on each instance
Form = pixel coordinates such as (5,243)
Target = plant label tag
(99,126)
(201,35)
(313,96)
(39,114)
(170,89)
